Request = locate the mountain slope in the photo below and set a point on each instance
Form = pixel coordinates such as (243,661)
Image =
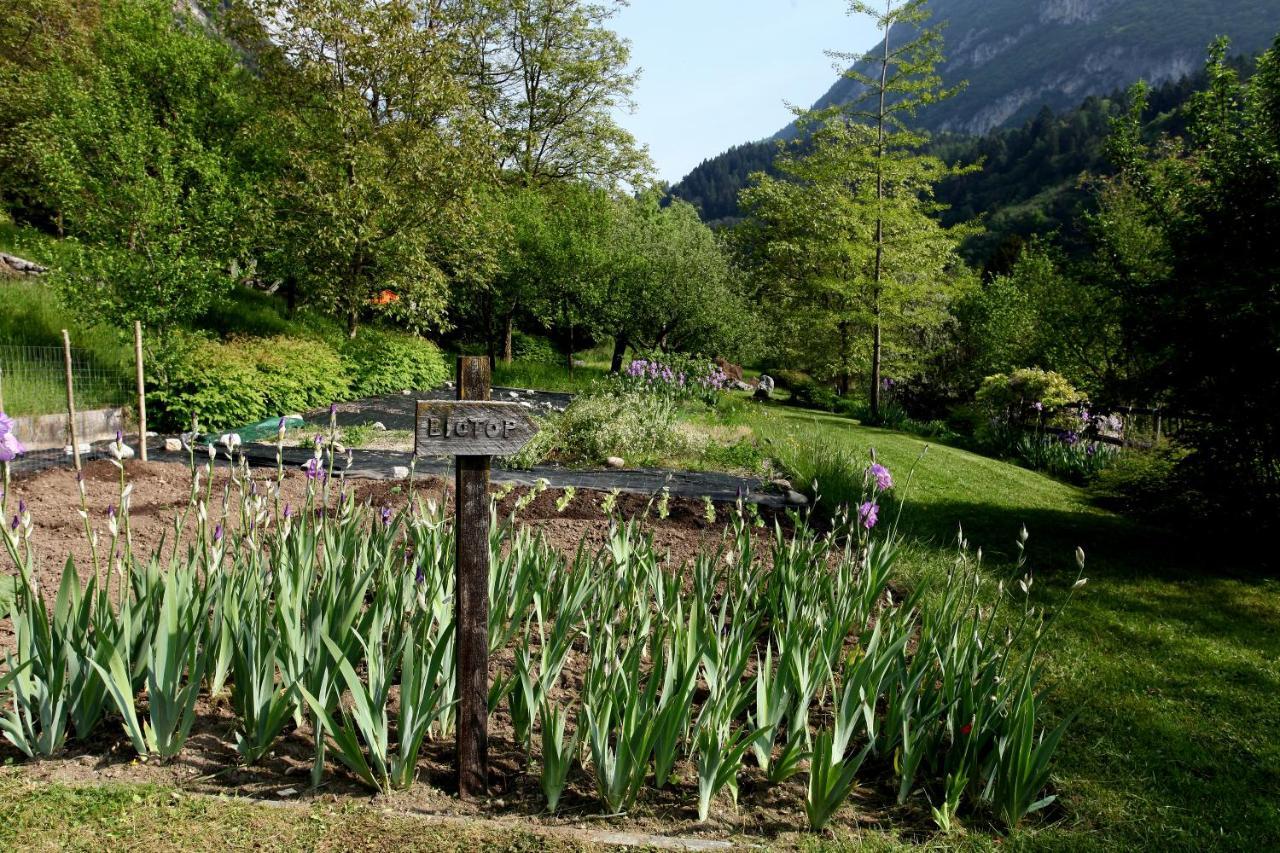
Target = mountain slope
(1020,55)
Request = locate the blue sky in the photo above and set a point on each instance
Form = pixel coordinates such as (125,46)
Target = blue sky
(717,72)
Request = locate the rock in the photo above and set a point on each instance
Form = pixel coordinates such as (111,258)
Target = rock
(764,389)
(286,792)
(85,447)
(449,384)
(796,499)
(529,392)
(514,395)
(616,462)
(379,426)
(400,472)
(125,451)
(742,386)
(405,391)
(781,484)
(151,434)
(732,371)
(526,404)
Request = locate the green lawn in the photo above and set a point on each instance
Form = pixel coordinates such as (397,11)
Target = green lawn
(1170,655)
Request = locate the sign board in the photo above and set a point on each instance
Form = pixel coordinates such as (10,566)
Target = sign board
(471,428)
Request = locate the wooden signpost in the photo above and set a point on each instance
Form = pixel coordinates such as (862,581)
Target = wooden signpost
(473,428)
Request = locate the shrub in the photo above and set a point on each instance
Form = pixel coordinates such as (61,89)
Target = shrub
(381,361)
(608,421)
(295,374)
(1146,482)
(1025,393)
(789,379)
(227,385)
(189,375)
(534,349)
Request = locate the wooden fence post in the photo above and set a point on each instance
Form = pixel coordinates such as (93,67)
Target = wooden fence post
(142,391)
(471,596)
(71,400)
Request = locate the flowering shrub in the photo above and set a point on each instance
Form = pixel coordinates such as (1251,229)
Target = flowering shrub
(1028,395)
(676,376)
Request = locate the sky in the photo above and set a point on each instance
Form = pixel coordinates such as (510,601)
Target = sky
(716,73)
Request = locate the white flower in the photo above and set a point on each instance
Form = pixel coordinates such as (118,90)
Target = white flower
(1081,582)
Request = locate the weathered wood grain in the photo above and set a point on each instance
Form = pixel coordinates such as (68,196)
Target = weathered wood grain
(471,428)
(471,600)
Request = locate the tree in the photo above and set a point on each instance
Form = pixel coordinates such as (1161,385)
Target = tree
(550,76)
(128,128)
(672,286)
(1191,235)
(851,225)
(898,81)
(384,156)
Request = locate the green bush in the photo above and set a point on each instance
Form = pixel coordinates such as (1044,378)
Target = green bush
(789,379)
(534,349)
(1146,482)
(295,374)
(638,427)
(1020,395)
(189,375)
(381,361)
(227,385)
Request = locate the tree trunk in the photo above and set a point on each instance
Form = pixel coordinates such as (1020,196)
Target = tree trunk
(879,270)
(571,349)
(353,322)
(508,331)
(619,350)
(844,358)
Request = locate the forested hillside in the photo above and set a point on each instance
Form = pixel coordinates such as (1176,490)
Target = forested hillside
(1032,179)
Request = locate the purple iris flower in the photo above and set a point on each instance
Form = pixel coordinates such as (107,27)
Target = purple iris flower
(315,469)
(386,515)
(6,423)
(884,480)
(869,514)
(10,447)
(217,534)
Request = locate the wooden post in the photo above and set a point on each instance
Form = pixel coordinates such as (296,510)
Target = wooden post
(142,391)
(471,596)
(71,400)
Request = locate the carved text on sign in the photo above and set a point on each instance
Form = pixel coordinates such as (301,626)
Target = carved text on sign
(471,428)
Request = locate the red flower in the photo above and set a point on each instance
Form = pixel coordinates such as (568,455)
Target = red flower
(966,728)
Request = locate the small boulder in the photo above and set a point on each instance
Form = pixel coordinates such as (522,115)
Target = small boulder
(732,372)
(616,462)
(764,389)
(782,484)
(514,395)
(796,499)
(379,426)
(173,445)
(400,472)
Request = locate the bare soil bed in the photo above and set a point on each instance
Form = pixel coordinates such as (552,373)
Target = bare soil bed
(209,763)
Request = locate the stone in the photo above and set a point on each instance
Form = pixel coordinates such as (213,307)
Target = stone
(732,371)
(796,499)
(782,484)
(514,395)
(764,389)
(85,448)
(400,472)
(742,386)
(616,462)
(173,445)
(526,404)
(529,392)
(379,426)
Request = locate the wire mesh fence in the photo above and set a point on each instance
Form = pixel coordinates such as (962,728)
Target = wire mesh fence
(33,391)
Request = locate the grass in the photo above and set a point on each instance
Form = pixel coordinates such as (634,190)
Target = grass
(31,325)
(54,816)
(1170,656)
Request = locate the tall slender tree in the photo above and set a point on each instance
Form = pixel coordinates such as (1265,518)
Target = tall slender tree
(897,80)
(851,224)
